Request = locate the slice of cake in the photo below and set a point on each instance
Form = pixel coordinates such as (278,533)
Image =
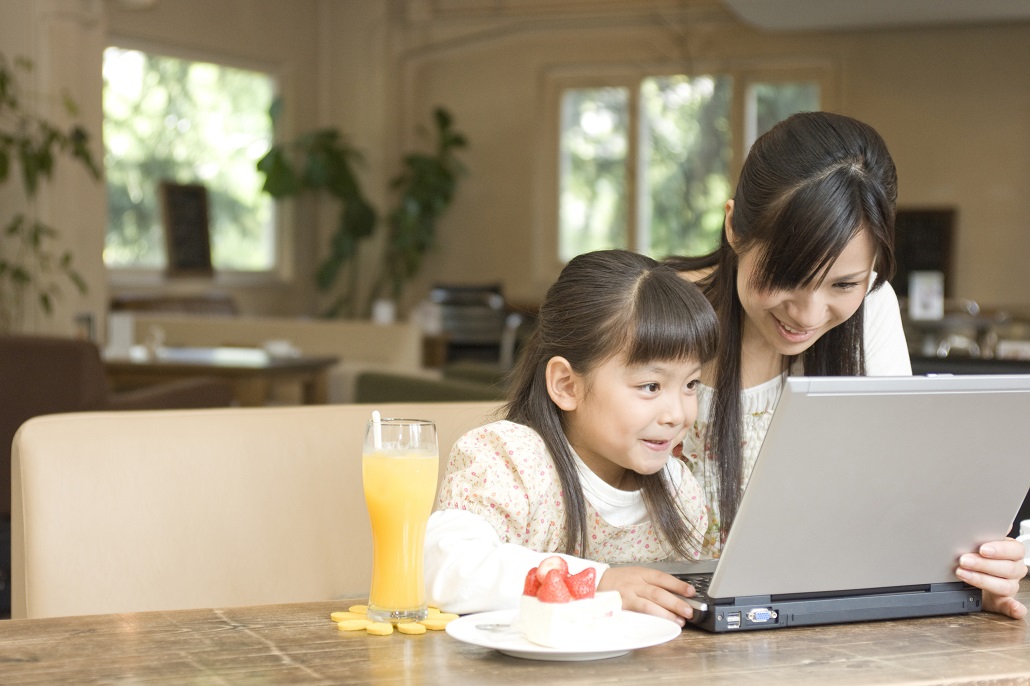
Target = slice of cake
(565,611)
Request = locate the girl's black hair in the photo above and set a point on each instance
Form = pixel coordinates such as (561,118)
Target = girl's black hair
(605,304)
(808,186)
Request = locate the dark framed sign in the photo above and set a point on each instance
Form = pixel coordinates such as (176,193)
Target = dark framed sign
(923,239)
(184,210)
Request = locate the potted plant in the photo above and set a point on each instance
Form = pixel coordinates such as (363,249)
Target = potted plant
(425,189)
(30,265)
(322,161)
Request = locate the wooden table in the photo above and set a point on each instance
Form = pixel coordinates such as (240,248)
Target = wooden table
(298,644)
(251,371)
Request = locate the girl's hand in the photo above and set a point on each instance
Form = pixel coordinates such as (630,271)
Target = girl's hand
(649,591)
(996,568)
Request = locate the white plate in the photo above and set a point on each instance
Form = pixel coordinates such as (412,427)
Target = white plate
(630,630)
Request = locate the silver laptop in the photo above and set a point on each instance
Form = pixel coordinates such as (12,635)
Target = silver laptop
(865,493)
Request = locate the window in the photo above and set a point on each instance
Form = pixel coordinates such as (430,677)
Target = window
(189,122)
(648,166)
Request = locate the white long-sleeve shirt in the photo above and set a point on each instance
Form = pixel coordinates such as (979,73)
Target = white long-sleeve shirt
(501,501)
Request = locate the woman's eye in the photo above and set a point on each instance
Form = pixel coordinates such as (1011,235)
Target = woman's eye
(846,285)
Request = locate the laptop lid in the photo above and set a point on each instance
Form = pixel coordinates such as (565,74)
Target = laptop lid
(878,482)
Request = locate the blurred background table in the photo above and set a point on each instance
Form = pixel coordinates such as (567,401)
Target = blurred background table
(251,371)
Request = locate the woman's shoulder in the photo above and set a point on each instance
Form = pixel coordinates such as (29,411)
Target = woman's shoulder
(882,300)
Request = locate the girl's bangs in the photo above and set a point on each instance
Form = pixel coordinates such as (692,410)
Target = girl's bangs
(670,324)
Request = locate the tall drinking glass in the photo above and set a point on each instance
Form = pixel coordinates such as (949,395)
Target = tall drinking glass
(398,468)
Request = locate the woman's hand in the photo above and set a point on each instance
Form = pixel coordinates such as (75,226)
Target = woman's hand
(996,568)
(649,591)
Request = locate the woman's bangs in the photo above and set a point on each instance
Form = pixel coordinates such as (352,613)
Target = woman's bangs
(811,229)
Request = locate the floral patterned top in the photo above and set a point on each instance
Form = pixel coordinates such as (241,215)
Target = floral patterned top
(503,473)
(759,403)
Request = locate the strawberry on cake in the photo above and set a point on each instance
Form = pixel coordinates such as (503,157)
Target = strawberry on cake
(562,610)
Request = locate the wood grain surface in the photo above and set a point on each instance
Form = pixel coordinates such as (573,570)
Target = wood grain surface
(297,643)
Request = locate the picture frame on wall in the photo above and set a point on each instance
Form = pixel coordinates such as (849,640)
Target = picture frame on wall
(923,240)
(186,218)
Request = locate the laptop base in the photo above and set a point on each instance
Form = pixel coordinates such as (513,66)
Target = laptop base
(764,612)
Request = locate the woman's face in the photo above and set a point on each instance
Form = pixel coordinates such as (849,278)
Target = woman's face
(790,321)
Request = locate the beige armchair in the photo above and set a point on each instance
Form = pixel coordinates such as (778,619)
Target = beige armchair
(45,375)
(123,512)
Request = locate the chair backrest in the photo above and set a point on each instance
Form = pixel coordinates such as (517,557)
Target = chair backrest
(122,512)
(43,375)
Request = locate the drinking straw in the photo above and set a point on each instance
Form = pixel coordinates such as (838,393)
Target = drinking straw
(377,430)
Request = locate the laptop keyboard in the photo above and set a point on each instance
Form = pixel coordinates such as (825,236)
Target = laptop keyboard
(699,582)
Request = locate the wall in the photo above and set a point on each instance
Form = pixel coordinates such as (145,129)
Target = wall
(954,106)
(952,102)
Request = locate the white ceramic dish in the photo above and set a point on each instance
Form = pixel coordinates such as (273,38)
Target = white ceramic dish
(630,630)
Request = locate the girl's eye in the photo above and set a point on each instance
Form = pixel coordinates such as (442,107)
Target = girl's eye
(692,385)
(652,387)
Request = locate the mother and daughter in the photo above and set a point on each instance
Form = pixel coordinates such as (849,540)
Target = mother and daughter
(639,372)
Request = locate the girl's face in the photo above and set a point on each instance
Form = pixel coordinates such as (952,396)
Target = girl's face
(629,417)
(790,321)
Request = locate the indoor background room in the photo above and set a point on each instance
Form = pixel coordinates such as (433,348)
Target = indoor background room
(949,89)
(946,82)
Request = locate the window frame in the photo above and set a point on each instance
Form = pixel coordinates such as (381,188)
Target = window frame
(556,81)
(284,227)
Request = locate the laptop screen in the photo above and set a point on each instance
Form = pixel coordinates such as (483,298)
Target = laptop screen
(878,482)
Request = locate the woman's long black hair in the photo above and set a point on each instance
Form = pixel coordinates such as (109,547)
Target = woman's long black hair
(607,304)
(807,187)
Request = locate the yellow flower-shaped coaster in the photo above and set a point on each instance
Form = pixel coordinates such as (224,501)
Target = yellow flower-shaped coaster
(355,619)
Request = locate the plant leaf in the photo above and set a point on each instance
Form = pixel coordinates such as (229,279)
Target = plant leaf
(280,179)
(80,283)
(275,110)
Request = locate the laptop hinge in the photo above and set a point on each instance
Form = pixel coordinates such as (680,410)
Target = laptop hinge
(747,600)
(949,586)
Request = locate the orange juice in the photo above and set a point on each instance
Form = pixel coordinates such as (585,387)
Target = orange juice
(399,491)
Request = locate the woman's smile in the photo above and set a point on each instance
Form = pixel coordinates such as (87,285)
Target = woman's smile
(793,334)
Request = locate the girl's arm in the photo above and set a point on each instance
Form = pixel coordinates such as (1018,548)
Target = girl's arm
(469,569)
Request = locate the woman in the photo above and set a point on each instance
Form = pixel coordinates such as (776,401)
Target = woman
(799,283)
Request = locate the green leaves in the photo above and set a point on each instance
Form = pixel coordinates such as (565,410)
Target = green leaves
(31,143)
(426,188)
(29,266)
(280,179)
(324,161)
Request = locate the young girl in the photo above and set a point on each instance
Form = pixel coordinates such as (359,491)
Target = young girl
(581,464)
(799,283)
